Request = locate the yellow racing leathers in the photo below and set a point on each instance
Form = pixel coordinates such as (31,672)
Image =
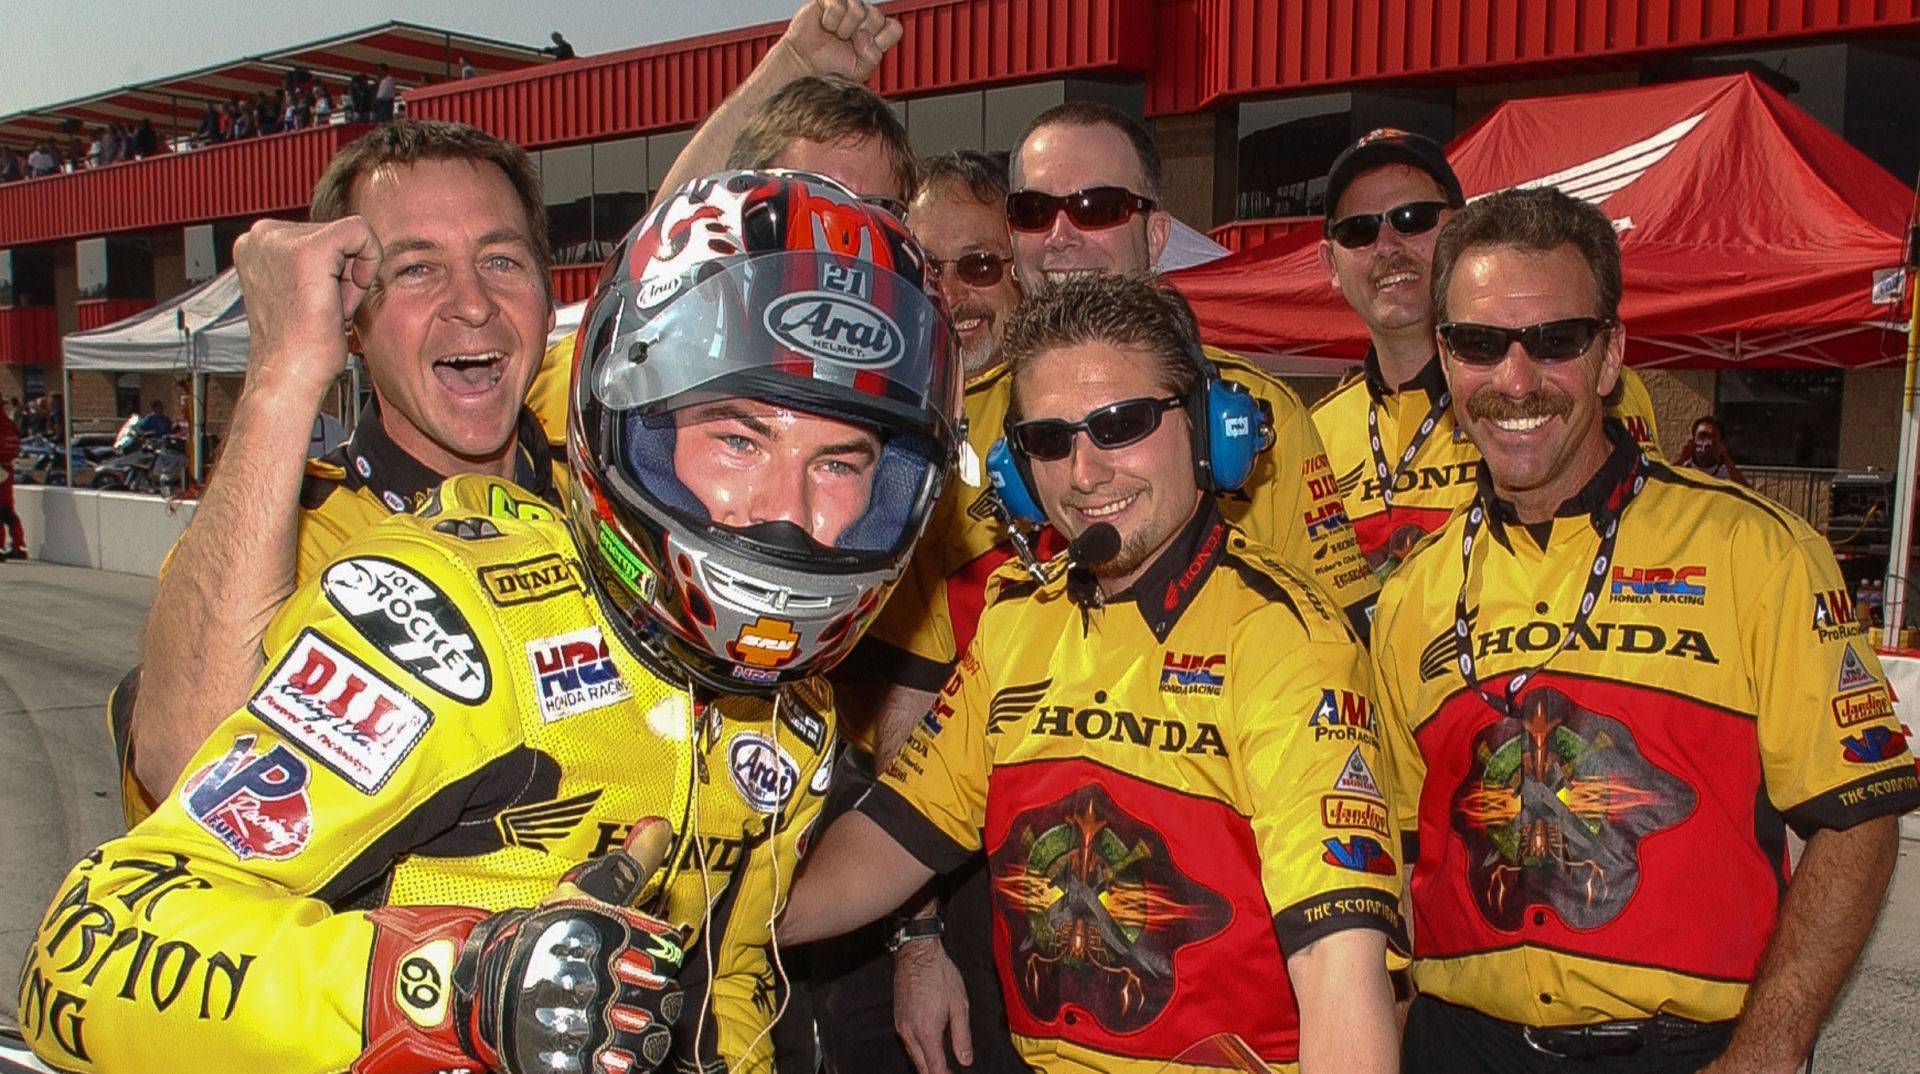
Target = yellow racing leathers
(446,720)
(1175,789)
(1439,476)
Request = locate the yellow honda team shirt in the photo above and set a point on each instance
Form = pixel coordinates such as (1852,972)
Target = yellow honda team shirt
(446,717)
(1440,476)
(1617,848)
(1174,790)
(933,614)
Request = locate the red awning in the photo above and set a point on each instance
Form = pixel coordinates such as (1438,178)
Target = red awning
(1749,232)
(417,55)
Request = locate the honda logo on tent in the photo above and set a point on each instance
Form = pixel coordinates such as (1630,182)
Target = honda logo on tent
(1598,179)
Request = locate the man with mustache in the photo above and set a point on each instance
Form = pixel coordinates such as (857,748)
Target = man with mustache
(1086,200)
(1387,196)
(1609,687)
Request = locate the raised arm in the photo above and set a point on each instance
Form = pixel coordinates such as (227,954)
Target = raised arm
(234,564)
(826,37)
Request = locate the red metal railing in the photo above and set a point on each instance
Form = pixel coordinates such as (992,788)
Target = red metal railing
(1238,235)
(91,313)
(29,334)
(253,177)
(574,283)
(948,45)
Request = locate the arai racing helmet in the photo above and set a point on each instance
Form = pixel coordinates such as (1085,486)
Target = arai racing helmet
(760,288)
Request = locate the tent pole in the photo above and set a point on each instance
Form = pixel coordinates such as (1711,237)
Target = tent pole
(1893,592)
(198,447)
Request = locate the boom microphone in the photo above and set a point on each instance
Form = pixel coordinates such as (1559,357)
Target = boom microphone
(1096,546)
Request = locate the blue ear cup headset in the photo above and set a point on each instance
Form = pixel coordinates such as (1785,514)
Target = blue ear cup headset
(1230,429)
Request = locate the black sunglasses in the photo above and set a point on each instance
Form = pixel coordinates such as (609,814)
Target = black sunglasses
(1112,426)
(1547,342)
(977,269)
(1362,229)
(892,206)
(1093,209)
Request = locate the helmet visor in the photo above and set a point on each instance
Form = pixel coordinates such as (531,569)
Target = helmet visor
(838,333)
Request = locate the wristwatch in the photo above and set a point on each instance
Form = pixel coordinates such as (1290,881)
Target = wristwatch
(901,930)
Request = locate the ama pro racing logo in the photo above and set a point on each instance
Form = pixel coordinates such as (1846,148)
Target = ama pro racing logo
(574,673)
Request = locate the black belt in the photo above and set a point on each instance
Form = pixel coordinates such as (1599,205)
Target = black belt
(1602,1039)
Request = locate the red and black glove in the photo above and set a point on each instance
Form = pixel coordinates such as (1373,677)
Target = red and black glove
(580,982)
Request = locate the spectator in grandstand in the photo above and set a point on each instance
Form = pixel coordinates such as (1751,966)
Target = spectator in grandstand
(98,149)
(208,132)
(385,94)
(466,68)
(560,49)
(42,161)
(266,118)
(359,100)
(322,103)
(1706,450)
(10,166)
(145,141)
(240,121)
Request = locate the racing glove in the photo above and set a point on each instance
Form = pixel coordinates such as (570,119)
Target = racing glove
(580,984)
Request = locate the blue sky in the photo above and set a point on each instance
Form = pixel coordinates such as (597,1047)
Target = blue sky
(61,49)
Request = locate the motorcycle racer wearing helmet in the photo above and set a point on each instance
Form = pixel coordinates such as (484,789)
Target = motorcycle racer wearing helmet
(405,852)
(754,543)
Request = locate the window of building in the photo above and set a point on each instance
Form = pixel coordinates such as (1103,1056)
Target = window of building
(1781,417)
(566,177)
(621,179)
(1286,149)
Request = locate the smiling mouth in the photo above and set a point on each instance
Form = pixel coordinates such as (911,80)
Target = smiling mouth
(471,373)
(1520,425)
(1057,275)
(1108,510)
(1395,279)
(970,324)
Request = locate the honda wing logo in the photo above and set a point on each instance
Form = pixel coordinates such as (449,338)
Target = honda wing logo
(1598,179)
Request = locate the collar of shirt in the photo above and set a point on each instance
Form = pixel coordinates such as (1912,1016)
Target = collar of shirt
(1430,379)
(1590,501)
(374,462)
(1169,584)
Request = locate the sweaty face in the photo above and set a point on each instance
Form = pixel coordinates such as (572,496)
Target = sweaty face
(1145,490)
(1386,283)
(1538,425)
(858,163)
(1060,160)
(454,327)
(950,224)
(750,462)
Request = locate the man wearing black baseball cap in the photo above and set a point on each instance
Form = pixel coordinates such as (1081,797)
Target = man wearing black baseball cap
(1391,429)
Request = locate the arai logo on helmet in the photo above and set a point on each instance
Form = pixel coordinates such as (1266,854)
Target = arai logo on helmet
(837,328)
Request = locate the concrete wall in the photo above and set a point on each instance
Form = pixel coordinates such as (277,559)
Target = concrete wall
(1679,396)
(1870,418)
(113,531)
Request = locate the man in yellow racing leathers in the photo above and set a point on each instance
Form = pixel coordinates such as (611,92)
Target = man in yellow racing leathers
(374,864)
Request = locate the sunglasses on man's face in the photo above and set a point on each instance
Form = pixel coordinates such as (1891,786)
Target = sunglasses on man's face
(1115,425)
(1547,342)
(977,269)
(892,206)
(1094,209)
(1363,229)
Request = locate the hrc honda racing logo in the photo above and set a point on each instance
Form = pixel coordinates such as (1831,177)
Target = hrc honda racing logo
(574,673)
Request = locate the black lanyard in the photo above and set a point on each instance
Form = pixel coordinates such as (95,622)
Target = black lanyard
(1623,493)
(1414,445)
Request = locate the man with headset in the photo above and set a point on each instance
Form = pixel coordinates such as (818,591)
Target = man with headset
(1163,740)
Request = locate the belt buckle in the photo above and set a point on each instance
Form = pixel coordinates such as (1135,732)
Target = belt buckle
(1595,1041)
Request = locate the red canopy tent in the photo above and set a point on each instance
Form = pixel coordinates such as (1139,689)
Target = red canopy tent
(1749,232)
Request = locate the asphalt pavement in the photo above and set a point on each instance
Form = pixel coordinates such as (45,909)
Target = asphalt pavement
(68,634)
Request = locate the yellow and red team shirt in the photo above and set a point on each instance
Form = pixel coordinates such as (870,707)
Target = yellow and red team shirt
(1440,477)
(1618,849)
(1174,790)
(934,612)
(446,717)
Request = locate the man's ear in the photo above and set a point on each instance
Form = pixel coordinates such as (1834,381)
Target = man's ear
(1159,226)
(1326,264)
(1612,361)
